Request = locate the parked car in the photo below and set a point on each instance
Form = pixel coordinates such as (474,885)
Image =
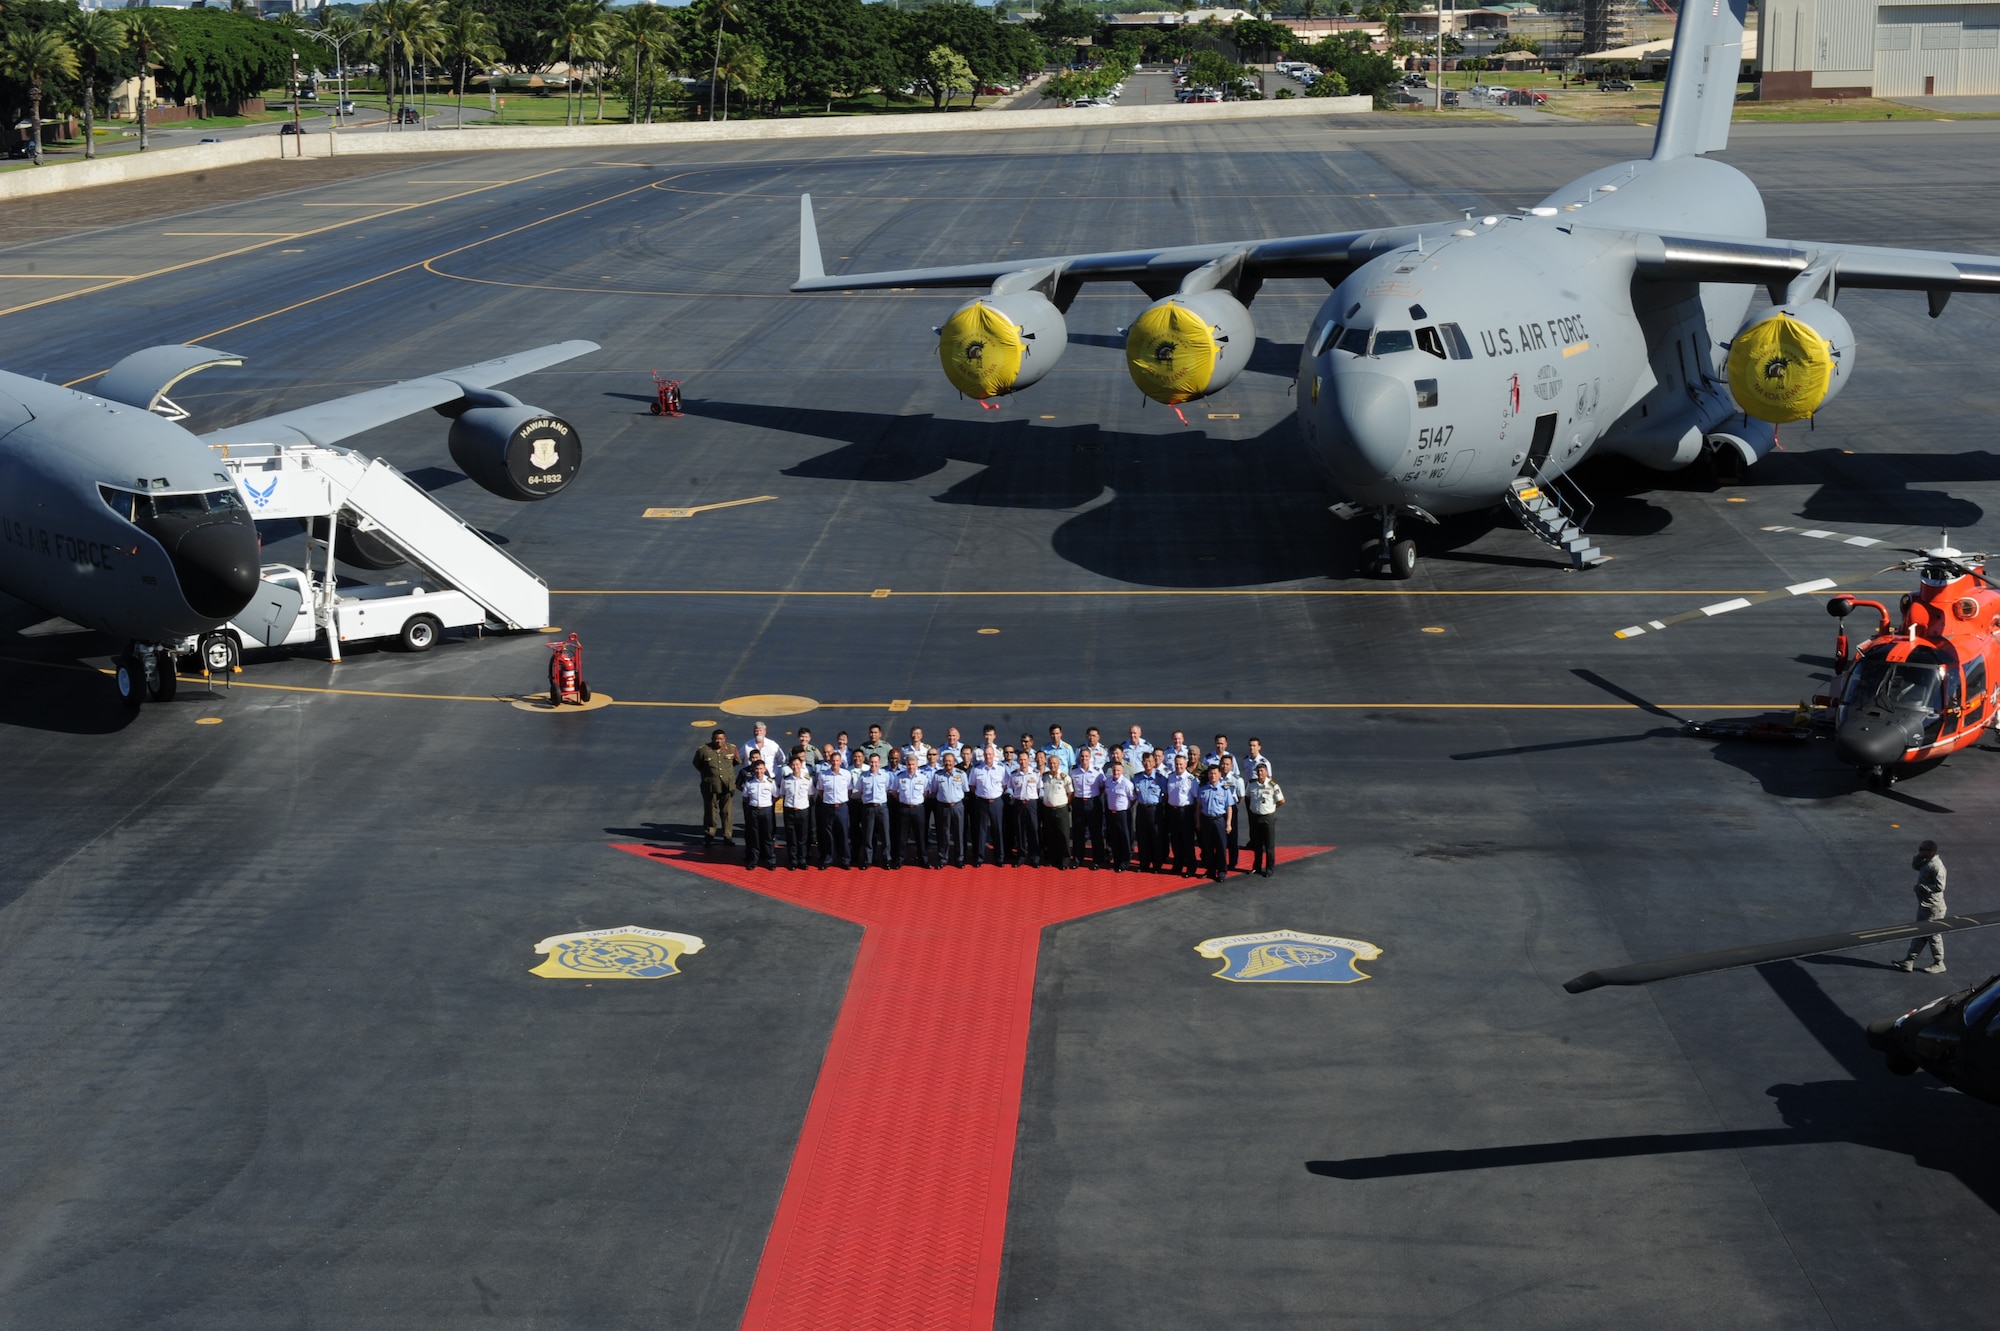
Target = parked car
(346,108)
(1481,91)
(1522,97)
(291,127)
(408,116)
(1615,85)
(1405,98)
(210,139)
(1451,98)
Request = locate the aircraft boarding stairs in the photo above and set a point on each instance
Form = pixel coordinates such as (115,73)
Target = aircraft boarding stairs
(314,481)
(1554,511)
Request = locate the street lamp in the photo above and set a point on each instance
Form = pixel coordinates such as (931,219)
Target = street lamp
(340,69)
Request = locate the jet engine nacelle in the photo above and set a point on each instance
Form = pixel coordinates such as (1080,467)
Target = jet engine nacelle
(997,345)
(1188,346)
(517,452)
(1790,361)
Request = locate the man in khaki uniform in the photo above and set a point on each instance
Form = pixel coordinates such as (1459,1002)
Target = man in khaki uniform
(715,762)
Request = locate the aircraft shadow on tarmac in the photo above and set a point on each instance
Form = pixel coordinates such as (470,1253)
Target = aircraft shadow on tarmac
(1936,1127)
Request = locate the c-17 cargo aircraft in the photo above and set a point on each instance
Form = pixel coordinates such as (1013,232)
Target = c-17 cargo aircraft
(116,518)
(1471,362)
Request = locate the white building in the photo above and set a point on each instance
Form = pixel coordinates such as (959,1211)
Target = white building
(1881,48)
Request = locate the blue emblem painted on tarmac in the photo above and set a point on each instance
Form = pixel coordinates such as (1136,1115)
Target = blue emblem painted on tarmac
(1286,956)
(628,953)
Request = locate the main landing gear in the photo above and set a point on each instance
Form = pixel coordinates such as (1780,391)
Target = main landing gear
(145,672)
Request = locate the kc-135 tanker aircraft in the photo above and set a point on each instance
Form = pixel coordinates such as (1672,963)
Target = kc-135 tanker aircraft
(1461,364)
(115,517)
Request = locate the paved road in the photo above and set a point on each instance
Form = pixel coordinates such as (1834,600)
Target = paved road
(269,1048)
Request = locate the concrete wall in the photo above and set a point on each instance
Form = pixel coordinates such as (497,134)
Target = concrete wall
(264,147)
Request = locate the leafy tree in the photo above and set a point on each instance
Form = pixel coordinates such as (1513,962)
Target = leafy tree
(1350,56)
(818,47)
(518,26)
(220,58)
(1261,36)
(1518,43)
(34,56)
(93,34)
(739,64)
(651,37)
(1063,24)
(1329,84)
(944,74)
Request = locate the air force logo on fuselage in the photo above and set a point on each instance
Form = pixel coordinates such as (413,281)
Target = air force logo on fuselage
(1286,956)
(628,953)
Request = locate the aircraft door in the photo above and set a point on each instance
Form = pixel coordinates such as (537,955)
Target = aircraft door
(272,612)
(1545,439)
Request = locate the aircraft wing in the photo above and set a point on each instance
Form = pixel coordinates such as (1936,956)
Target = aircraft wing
(1775,264)
(1157,272)
(1759,954)
(330,422)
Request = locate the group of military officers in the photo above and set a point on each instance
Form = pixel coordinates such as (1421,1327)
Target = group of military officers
(1165,809)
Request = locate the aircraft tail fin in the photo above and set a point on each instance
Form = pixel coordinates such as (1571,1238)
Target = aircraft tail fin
(810,264)
(1701,79)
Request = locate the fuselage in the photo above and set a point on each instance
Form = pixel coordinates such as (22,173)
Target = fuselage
(1436,374)
(117,519)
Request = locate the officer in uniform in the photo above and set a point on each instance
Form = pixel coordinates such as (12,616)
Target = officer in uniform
(760,794)
(1215,800)
(910,789)
(1024,790)
(796,790)
(1134,752)
(1930,906)
(948,788)
(1149,804)
(871,838)
(1094,744)
(1057,792)
(1057,749)
(1250,760)
(715,761)
(832,787)
(1086,817)
(1263,799)
(876,747)
(1236,785)
(1181,789)
(987,782)
(761,745)
(1117,794)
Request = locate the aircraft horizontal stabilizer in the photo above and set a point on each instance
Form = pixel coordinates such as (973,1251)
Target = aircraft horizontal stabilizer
(1759,954)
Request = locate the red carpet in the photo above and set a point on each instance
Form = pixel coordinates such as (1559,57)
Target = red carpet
(895,1209)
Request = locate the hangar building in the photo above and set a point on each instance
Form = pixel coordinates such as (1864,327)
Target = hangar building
(1880,48)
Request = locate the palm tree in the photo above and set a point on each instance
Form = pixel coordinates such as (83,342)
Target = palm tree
(92,34)
(35,55)
(725,11)
(466,39)
(578,34)
(739,64)
(408,27)
(648,31)
(147,33)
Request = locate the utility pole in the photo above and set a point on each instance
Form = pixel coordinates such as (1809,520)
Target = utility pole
(1440,55)
(298,131)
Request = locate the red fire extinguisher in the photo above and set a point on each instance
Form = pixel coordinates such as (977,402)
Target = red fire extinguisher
(566,681)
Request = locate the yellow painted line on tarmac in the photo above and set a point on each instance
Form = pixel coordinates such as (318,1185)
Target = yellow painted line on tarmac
(703,508)
(265,244)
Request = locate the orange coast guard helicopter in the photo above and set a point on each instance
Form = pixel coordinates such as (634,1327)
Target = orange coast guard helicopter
(1923,683)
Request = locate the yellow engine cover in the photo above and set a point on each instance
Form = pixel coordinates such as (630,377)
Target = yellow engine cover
(1171,352)
(1780,369)
(981,350)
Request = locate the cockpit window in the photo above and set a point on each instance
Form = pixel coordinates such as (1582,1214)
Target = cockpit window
(1906,685)
(195,505)
(1354,341)
(122,502)
(1389,341)
(1430,343)
(1455,343)
(1325,338)
(1981,1006)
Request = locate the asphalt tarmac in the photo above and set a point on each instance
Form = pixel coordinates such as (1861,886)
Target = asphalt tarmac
(270,1053)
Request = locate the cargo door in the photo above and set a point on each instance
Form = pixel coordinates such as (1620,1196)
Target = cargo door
(1545,439)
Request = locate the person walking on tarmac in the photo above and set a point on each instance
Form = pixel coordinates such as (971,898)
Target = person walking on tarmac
(760,794)
(1929,888)
(715,761)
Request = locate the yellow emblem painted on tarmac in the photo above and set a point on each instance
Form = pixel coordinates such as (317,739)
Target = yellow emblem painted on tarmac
(1286,956)
(981,349)
(1780,369)
(1171,352)
(628,953)
(768,704)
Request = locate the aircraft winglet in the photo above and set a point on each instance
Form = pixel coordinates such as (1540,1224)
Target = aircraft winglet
(810,265)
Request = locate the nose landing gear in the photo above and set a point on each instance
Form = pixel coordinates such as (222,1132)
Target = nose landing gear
(1392,556)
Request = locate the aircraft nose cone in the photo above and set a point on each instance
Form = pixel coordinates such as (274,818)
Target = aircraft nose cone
(1874,737)
(1882,1035)
(216,564)
(1372,414)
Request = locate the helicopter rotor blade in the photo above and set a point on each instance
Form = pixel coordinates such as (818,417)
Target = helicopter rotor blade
(1742,603)
(1759,954)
